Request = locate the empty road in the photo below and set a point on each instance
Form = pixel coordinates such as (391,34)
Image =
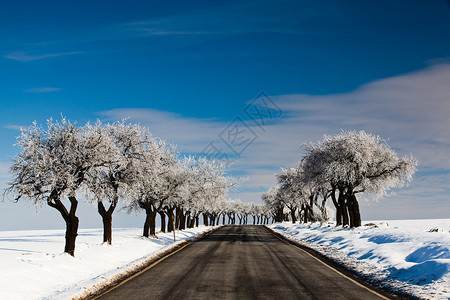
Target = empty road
(240,262)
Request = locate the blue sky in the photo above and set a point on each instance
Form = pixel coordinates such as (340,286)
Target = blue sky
(188,69)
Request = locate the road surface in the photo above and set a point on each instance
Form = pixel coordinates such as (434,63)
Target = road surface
(240,262)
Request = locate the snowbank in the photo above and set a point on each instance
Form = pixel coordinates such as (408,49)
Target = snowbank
(34,267)
(411,257)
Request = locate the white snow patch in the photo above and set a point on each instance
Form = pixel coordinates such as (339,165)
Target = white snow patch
(34,267)
(409,256)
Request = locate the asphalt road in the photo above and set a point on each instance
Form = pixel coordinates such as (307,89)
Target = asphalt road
(240,262)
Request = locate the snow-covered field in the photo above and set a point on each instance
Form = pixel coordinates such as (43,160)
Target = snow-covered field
(410,256)
(34,267)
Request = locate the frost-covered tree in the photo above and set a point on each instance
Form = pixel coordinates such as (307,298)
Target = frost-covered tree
(306,193)
(207,184)
(230,208)
(240,211)
(53,165)
(290,192)
(259,213)
(254,212)
(110,182)
(157,176)
(274,204)
(221,208)
(263,215)
(355,162)
(168,210)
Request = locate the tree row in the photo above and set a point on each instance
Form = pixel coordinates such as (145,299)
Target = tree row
(109,164)
(338,168)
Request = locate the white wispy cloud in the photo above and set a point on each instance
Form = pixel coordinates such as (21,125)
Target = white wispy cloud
(25,57)
(14,127)
(42,90)
(410,111)
(240,18)
(190,134)
(156,27)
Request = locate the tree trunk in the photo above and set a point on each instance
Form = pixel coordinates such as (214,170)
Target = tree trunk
(192,224)
(188,219)
(355,220)
(177,218)
(150,217)
(147,222)
(294,219)
(71,227)
(323,210)
(153,223)
(71,235)
(357,212)
(182,220)
(351,217)
(312,202)
(107,219)
(107,228)
(69,217)
(305,214)
(339,216)
(170,225)
(150,220)
(205,219)
(343,205)
(279,214)
(163,220)
(338,208)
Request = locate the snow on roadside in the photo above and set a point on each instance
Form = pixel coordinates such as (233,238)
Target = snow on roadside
(407,256)
(34,267)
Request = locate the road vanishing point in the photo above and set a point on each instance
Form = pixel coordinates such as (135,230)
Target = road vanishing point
(240,262)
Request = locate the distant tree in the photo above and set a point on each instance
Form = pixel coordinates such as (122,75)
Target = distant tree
(207,185)
(54,163)
(260,214)
(290,192)
(274,203)
(306,193)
